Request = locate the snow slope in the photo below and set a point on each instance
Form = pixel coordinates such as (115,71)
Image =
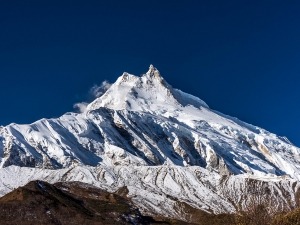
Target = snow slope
(162,189)
(143,126)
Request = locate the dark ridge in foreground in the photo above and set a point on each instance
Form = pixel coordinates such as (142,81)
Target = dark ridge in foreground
(41,203)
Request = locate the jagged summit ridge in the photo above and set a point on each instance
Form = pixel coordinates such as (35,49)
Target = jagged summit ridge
(149,92)
(153,72)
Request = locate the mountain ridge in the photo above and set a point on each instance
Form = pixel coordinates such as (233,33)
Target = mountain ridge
(76,138)
(151,87)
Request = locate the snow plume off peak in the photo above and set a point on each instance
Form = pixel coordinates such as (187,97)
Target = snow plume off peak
(98,90)
(80,106)
(95,92)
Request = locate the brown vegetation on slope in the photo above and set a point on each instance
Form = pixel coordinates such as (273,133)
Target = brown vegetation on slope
(69,204)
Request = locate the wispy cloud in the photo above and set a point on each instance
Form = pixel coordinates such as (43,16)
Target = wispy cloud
(95,92)
(98,90)
(80,106)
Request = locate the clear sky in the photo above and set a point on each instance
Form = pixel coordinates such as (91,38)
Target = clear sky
(241,57)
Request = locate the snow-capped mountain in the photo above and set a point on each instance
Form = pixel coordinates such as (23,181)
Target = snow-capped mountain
(164,145)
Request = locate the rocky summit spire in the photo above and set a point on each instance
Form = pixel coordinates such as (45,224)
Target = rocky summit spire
(153,72)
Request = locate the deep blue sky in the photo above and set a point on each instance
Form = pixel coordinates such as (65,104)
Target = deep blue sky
(241,57)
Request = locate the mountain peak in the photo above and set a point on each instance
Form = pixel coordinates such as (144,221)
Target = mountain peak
(153,72)
(158,143)
(149,92)
(151,68)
